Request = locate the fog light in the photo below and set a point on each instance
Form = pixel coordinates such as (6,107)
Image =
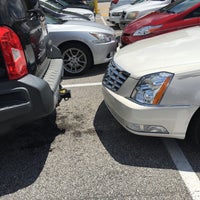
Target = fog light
(146,128)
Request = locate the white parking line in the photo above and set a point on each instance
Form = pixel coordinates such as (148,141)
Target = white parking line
(190,178)
(82,85)
(104,21)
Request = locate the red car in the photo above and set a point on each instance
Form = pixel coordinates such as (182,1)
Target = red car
(177,15)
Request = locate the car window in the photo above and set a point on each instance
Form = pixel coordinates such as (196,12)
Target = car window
(195,13)
(54,4)
(63,3)
(137,1)
(179,6)
(49,6)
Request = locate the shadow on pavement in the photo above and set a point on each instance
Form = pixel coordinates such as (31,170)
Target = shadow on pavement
(127,148)
(23,154)
(93,71)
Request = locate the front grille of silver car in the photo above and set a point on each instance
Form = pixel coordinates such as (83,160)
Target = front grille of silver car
(114,77)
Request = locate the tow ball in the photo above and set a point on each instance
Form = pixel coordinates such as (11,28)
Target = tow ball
(65,94)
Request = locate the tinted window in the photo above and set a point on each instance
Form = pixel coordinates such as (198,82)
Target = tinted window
(49,6)
(195,13)
(54,4)
(179,6)
(63,3)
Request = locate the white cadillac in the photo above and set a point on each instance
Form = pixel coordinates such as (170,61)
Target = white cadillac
(152,87)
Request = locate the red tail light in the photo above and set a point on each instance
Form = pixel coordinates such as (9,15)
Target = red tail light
(13,53)
(115,1)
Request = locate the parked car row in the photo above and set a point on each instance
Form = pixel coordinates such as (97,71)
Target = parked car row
(59,5)
(178,15)
(31,67)
(82,42)
(124,14)
(76,4)
(151,86)
(39,41)
(50,9)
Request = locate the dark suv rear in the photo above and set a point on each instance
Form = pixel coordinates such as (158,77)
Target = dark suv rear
(30,67)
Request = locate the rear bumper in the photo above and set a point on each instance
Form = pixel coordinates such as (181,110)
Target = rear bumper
(30,97)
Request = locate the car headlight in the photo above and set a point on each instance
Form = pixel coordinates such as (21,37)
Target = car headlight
(146,30)
(132,15)
(116,14)
(151,88)
(102,37)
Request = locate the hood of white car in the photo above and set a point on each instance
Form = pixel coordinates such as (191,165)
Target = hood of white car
(120,8)
(79,10)
(147,5)
(82,26)
(172,52)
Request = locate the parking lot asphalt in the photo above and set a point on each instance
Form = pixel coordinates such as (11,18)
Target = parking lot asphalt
(87,155)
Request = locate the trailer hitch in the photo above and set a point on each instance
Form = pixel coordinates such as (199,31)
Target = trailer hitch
(65,94)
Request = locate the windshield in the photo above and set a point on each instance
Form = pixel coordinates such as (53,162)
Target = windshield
(179,6)
(63,3)
(50,7)
(53,4)
(137,1)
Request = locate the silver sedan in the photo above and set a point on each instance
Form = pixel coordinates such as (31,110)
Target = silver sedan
(82,43)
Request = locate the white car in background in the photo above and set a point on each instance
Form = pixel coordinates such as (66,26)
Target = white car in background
(115,13)
(134,12)
(86,12)
(157,95)
(117,3)
(126,13)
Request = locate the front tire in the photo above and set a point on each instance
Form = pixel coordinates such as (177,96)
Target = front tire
(193,132)
(77,59)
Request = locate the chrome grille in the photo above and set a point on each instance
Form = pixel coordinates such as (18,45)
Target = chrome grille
(114,77)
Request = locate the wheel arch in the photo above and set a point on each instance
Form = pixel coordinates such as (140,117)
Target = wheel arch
(71,42)
(190,135)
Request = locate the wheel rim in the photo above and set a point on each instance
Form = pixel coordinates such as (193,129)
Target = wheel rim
(75,60)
